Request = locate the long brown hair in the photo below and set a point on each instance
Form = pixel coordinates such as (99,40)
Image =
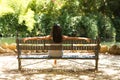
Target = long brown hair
(56,33)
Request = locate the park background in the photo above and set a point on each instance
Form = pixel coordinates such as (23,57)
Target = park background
(85,18)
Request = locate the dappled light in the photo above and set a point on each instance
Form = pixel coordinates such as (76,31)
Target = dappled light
(92,19)
(109,68)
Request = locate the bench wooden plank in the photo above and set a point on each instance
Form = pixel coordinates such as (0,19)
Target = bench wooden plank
(63,57)
(64,41)
(37,47)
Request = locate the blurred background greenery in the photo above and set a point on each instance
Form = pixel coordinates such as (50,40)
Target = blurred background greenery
(86,18)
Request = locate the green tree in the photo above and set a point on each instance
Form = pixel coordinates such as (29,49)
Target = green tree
(81,17)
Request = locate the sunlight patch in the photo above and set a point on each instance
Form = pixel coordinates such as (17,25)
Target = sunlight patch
(84,77)
(110,71)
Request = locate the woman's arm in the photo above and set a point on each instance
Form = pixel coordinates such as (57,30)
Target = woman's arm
(76,38)
(37,38)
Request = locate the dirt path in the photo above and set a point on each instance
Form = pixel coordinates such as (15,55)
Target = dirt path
(109,69)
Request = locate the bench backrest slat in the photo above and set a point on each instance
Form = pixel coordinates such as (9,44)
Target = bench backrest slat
(65,45)
(64,42)
(31,41)
(26,47)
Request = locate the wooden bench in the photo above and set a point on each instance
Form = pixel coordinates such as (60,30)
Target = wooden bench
(36,45)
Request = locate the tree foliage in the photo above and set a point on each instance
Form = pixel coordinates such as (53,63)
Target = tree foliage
(88,18)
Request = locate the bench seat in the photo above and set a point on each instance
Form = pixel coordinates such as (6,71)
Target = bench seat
(63,57)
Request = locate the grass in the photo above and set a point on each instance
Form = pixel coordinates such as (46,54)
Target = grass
(110,43)
(10,40)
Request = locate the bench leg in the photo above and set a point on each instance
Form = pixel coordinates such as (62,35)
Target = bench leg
(96,64)
(55,62)
(19,64)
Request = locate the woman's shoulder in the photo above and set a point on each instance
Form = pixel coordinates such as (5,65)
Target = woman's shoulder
(48,37)
(64,37)
(67,37)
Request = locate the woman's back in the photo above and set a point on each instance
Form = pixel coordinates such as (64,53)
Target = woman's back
(56,35)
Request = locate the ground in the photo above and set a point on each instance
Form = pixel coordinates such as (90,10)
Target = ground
(109,69)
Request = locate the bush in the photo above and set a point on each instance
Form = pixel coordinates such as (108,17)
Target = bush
(115,49)
(85,26)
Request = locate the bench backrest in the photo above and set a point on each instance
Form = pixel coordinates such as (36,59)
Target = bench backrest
(65,45)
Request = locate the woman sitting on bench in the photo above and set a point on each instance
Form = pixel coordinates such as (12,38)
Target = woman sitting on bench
(57,37)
